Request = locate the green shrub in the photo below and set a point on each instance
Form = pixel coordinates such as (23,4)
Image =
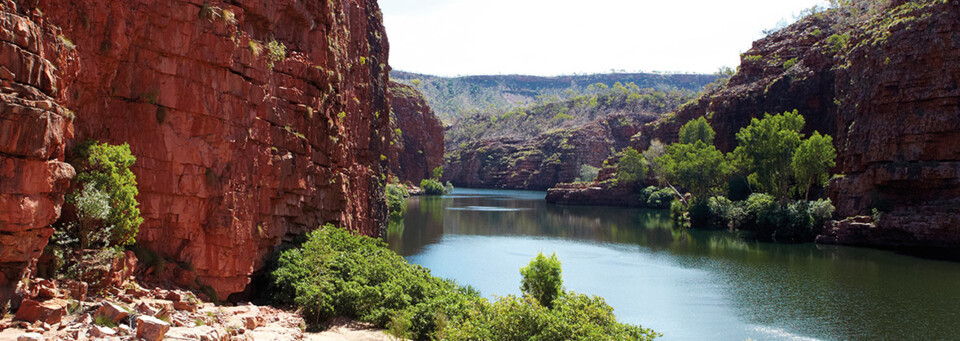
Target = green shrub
(767,219)
(658,198)
(588,173)
(432,187)
(542,279)
(105,169)
(631,167)
(335,273)
(396,199)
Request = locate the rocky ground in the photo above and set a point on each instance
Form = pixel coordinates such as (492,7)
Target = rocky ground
(52,313)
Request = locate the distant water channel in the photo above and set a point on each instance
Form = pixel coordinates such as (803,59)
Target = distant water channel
(688,285)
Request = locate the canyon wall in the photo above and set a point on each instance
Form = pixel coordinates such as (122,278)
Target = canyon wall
(252,122)
(542,162)
(417,145)
(899,129)
(887,88)
(33,133)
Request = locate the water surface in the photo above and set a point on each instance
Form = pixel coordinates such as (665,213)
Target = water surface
(688,285)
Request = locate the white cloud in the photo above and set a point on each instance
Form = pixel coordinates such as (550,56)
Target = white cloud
(550,37)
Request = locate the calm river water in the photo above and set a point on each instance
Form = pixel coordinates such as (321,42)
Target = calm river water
(688,285)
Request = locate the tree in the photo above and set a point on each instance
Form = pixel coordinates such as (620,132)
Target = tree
(697,130)
(698,167)
(766,149)
(542,279)
(656,149)
(631,167)
(106,168)
(812,162)
(438,172)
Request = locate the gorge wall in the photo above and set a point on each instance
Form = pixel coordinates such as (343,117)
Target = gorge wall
(417,145)
(33,132)
(887,88)
(240,144)
(899,129)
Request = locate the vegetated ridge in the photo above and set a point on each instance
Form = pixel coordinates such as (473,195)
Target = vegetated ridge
(454,98)
(539,146)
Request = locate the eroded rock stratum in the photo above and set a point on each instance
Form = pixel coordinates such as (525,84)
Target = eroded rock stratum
(240,144)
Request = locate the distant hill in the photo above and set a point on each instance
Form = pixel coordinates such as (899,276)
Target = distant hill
(458,97)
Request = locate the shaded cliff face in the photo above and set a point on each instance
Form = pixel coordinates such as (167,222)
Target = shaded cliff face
(542,162)
(417,145)
(899,127)
(239,145)
(33,132)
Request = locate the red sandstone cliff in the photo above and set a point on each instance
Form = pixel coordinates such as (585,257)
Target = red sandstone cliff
(236,150)
(417,145)
(899,129)
(33,132)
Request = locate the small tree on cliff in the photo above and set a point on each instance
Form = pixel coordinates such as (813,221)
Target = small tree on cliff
(103,172)
(631,167)
(766,150)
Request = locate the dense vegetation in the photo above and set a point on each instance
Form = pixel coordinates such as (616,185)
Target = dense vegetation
(101,215)
(456,98)
(335,273)
(598,100)
(773,163)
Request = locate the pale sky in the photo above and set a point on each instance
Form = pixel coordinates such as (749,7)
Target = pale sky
(558,37)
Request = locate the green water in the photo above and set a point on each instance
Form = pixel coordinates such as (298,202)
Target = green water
(688,285)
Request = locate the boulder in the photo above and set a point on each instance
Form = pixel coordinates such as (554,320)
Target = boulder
(151,328)
(30,337)
(112,311)
(51,311)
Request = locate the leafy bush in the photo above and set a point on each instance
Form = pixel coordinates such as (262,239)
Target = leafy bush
(104,169)
(631,168)
(335,273)
(396,199)
(768,219)
(588,173)
(432,187)
(697,130)
(542,279)
(654,197)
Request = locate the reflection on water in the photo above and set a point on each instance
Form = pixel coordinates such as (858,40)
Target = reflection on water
(689,285)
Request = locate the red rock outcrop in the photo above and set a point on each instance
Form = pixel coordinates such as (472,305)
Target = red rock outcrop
(417,145)
(33,131)
(899,128)
(789,69)
(252,121)
(538,164)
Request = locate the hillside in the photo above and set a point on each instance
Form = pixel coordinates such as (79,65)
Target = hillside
(539,146)
(458,97)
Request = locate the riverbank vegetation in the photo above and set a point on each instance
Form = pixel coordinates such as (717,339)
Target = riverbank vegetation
(769,176)
(336,273)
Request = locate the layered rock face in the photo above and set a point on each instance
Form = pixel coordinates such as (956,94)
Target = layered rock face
(252,121)
(899,128)
(417,145)
(789,69)
(538,164)
(33,132)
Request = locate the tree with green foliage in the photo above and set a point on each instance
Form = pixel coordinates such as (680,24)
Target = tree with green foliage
(106,168)
(812,161)
(432,187)
(766,149)
(438,172)
(697,130)
(631,168)
(698,167)
(396,195)
(542,279)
